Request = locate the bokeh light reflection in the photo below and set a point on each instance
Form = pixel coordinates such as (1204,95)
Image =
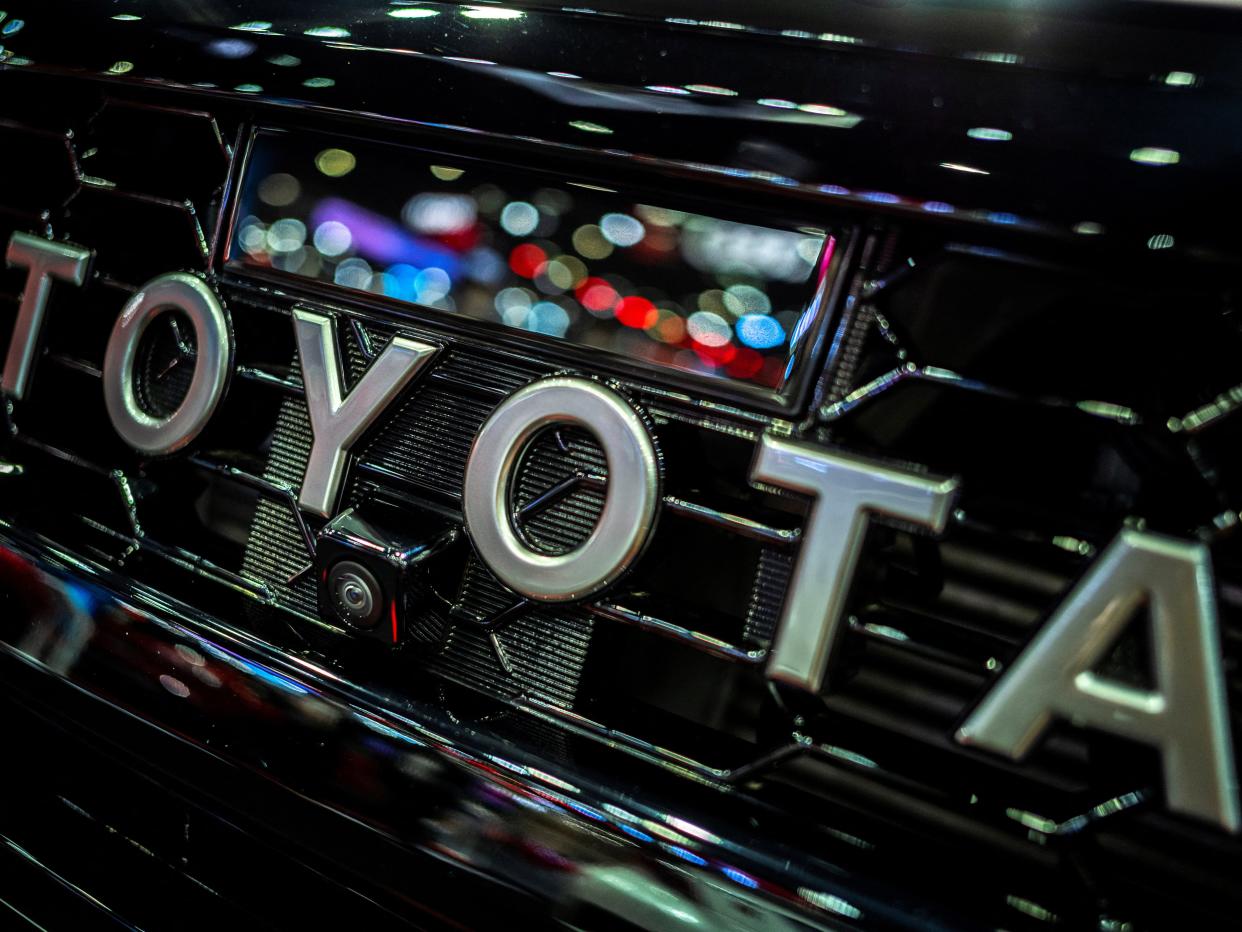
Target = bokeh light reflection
(573,261)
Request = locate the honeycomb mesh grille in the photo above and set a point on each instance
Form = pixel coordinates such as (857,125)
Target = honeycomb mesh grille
(428,440)
(275,551)
(540,653)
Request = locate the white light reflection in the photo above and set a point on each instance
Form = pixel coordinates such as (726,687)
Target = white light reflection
(440,214)
(829,902)
(968,169)
(286,235)
(332,238)
(485,12)
(354,273)
(295,261)
(622,229)
(693,830)
(746,299)
(565,283)
(252,235)
(1000,58)
(711,89)
(513,305)
(709,329)
(519,218)
(230,48)
(822,110)
(328,32)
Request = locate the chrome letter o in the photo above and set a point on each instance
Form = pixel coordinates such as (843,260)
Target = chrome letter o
(175,291)
(630,503)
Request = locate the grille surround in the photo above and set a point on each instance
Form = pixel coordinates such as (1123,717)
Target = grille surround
(1027,786)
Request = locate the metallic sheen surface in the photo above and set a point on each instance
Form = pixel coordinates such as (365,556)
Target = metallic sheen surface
(848,492)
(1185,714)
(189,295)
(44,262)
(339,418)
(629,509)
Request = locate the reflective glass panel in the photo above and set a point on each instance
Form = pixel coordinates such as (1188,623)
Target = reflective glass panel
(569,260)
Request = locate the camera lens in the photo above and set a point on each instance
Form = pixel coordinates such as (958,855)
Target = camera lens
(356,595)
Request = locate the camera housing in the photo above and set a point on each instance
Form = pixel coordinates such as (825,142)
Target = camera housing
(373,577)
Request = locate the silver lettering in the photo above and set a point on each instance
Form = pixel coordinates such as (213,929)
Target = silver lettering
(44,261)
(847,491)
(213,339)
(1185,716)
(629,507)
(338,419)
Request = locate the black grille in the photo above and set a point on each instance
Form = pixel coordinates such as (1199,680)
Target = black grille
(275,552)
(1066,400)
(539,654)
(430,436)
(83,171)
(1056,448)
(551,520)
(165,365)
(931,624)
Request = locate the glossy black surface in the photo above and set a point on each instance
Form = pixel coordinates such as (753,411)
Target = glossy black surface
(837,101)
(436,796)
(1040,298)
